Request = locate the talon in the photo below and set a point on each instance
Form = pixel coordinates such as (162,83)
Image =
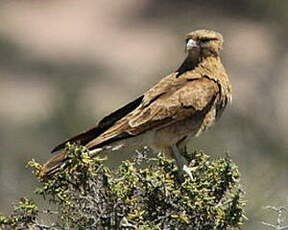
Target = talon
(187,170)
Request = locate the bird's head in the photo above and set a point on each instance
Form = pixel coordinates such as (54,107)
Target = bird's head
(203,43)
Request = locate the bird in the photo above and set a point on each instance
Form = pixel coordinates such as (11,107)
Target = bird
(180,106)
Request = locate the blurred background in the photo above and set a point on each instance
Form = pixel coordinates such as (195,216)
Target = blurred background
(66,63)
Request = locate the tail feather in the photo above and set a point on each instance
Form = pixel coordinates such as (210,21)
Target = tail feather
(105,133)
(54,164)
(114,143)
(57,162)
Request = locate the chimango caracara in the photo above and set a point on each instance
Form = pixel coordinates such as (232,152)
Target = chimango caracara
(180,106)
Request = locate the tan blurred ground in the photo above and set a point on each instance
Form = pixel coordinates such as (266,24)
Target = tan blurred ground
(64,64)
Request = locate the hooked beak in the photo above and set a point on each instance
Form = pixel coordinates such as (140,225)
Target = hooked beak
(192,44)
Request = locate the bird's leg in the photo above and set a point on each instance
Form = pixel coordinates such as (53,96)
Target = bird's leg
(181,161)
(183,150)
(182,146)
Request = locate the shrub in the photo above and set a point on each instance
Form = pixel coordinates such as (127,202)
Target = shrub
(88,195)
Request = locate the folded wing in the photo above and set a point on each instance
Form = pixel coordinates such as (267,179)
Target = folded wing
(162,106)
(108,121)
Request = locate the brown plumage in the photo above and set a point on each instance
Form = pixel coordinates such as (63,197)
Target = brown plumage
(178,107)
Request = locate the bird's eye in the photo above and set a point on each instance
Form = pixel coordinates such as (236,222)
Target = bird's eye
(206,39)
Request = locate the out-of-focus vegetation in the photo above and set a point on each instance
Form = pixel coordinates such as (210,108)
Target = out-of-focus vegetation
(64,64)
(88,195)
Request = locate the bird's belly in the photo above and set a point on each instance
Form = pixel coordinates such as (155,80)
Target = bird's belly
(172,134)
(175,132)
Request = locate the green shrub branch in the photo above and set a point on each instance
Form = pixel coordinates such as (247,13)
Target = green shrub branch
(88,195)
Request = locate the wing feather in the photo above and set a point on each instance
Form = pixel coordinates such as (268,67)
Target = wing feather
(174,105)
(180,102)
(107,122)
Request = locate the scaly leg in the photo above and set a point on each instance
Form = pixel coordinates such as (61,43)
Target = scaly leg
(181,161)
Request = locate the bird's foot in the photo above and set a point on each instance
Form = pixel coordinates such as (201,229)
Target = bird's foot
(187,170)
